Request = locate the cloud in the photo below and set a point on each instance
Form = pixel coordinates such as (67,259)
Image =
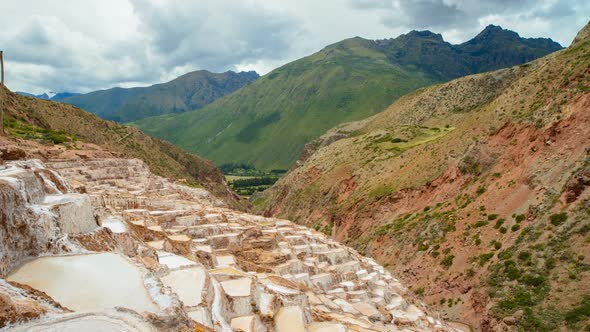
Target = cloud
(215,35)
(459,20)
(79,46)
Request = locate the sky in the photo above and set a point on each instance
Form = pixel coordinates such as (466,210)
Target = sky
(81,46)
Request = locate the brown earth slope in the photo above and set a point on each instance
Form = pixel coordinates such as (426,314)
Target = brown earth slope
(36,126)
(474,191)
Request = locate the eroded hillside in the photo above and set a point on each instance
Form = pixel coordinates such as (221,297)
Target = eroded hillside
(475,191)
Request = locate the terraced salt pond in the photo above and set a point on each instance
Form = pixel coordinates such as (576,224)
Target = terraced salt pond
(89,282)
(88,322)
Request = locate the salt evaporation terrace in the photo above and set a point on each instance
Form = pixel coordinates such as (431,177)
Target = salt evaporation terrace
(115,236)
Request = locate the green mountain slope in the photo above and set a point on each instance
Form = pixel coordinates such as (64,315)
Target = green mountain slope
(188,92)
(267,123)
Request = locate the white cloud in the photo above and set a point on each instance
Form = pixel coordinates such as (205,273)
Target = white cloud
(73,45)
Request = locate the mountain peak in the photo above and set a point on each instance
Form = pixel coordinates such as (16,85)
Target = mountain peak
(583,34)
(424,34)
(491,31)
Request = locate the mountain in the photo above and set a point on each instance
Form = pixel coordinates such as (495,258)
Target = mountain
(477,191)
(267,123)
(31,120)
(54,96)
(188,92)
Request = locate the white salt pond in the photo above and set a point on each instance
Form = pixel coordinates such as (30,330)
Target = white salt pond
(88,282)
(173,261)
(290,319)
(115,224)
(89,322)
(237,287)
(326,327)
(187,284)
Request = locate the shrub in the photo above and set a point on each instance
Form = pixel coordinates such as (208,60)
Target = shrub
(533,280)
(511,270)
(558,218)
(480,190)
(497,245)
(481,223)
(419,291)
(484,258)
(447,261)
(519,218)
(499,223)
(503,230)
(515,227)
(580,312)
(524,255)
(492,217)
(550,263)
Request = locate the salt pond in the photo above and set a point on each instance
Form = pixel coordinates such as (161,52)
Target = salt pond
(290,319)
(88,282)
(187,284)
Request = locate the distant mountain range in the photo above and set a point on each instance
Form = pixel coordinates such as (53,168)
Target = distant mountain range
(186,93)
(51,95)
(267,123)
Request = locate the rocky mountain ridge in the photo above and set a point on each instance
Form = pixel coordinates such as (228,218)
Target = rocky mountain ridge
(51,95)
(267,123)
(187,92)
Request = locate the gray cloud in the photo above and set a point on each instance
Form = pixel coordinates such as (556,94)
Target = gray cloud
(217,36)
(75,45)
(461,19)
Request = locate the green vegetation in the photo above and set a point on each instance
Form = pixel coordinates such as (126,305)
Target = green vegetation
(414,136)
(419,291)
(481,223)
(447,261)
(245,180)
(484,258)
(558,219)
(246,186)
(25,130)
(267,123)
(580,313)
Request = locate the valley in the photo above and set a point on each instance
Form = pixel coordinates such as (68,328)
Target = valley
(373,185)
